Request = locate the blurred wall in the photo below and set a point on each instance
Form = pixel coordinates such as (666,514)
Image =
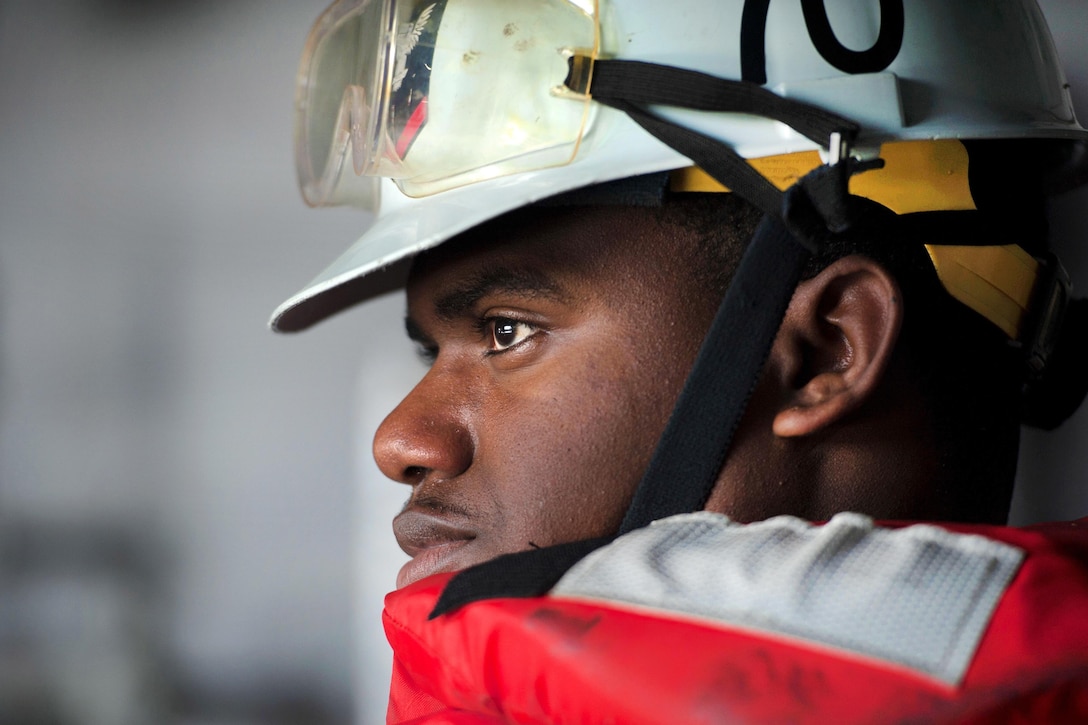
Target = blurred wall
(175,481)
(1053,473)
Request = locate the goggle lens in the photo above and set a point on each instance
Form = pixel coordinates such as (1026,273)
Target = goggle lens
(437,94)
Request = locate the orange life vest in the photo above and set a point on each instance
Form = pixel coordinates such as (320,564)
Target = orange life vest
(556,659)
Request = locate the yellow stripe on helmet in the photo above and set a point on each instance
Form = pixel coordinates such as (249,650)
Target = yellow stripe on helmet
(917,176)
(996,282)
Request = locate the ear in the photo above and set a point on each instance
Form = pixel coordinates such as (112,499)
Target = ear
(835,344)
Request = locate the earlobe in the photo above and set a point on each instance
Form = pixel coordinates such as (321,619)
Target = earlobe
(835,344)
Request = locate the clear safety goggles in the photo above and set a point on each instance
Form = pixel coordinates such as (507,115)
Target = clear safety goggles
(437,94)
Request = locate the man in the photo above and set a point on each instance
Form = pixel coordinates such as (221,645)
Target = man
(553,350)
(565,307)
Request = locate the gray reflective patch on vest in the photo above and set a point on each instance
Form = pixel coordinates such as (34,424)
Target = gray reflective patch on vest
(920,596)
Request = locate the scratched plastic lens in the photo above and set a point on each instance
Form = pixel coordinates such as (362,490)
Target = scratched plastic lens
(439,93)
(491,103)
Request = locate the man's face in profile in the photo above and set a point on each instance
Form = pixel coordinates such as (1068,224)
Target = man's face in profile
(559,339)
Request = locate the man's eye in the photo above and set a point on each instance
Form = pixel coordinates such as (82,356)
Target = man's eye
(506,333)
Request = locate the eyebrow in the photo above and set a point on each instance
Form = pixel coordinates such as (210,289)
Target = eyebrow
(520,281)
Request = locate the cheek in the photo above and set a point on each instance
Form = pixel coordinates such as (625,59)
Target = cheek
(570,438)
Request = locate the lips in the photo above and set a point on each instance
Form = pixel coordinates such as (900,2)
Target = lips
(435,544)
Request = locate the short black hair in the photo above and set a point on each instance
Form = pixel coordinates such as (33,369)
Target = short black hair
(969,373)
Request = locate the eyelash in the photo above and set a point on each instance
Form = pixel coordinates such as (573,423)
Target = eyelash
(485,327)
(427,354)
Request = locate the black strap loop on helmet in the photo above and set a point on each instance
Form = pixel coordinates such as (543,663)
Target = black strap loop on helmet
(649,83)
(628,86)
(719,161)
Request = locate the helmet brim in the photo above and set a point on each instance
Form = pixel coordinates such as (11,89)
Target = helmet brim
(379,261)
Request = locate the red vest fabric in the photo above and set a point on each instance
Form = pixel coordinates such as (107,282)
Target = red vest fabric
(555,660)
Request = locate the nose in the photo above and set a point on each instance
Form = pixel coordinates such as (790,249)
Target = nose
(425,436)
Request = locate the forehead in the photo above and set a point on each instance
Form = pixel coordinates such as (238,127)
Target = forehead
(546,248)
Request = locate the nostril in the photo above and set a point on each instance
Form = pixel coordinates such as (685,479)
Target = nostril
(422,437)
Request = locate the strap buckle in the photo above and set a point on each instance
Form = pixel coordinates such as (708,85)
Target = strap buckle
(838,149)
(1050,300)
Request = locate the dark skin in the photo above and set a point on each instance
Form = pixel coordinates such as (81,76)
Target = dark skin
(560,339)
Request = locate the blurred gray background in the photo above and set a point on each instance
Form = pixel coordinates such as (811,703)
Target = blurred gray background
(191,528)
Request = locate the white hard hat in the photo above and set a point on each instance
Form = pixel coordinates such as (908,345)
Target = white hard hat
(437,115)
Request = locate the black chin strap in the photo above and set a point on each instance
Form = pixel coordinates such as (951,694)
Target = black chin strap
(696,441)
(693,448)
